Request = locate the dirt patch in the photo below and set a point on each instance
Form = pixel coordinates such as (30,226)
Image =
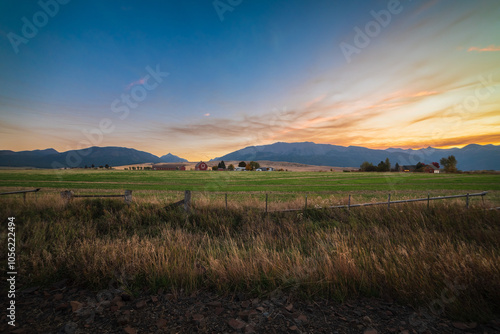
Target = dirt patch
(66,309)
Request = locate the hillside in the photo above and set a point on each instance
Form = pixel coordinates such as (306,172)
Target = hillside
(50,158)
(470,157)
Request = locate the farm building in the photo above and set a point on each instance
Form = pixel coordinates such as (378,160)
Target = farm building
(239,169)
(431,169)
(168,167)
(201,166)
(265,169)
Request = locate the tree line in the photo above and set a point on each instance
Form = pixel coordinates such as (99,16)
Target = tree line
(449,165)
(101,166)
(252,165)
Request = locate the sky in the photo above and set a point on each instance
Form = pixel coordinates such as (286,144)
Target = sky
(200,79)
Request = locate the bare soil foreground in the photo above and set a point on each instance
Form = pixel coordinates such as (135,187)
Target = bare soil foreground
(61,308)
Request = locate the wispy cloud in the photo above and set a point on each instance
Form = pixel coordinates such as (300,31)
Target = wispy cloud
(490,48)
(424,93)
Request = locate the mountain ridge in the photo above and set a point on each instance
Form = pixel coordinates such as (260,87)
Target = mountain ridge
(97,156)
(470,157)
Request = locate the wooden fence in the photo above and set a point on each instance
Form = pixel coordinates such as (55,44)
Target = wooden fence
(389,202)
(22,192)
(68,195)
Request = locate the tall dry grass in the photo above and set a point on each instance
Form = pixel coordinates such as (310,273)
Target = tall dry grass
(409,253)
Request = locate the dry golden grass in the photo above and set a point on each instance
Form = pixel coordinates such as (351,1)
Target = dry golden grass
(410,253)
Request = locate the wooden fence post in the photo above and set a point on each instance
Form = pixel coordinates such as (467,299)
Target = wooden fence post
(128,196)
(226,201)
(467,201)
(428,200)
(187,201)
(349,203)
(24,197)
(266,203)
(67,195)
(306,203)
(389,202)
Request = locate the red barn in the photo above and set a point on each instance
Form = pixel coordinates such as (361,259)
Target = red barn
(169,167)
(201,166)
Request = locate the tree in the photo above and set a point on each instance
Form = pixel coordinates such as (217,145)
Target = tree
(215,167)
(221,165)
(248,166)
(449,164)
(420,167)
(93,166)
(254,165)
(367,167)
(435,165)
(384,166)
(242,164)
(230,167)
(106,166)
(396,167)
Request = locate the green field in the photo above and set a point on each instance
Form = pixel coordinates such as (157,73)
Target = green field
(281,186)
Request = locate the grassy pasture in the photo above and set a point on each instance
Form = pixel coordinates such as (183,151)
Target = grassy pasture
(412,255)
(298,183)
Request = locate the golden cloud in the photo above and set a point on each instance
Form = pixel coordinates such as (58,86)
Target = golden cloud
(490,48)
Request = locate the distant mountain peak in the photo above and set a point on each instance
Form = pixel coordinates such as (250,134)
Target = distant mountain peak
(169,157)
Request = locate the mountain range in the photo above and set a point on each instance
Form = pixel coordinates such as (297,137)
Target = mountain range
(98,156)
(470,157)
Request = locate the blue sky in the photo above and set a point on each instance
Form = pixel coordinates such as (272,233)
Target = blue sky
(256,73)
